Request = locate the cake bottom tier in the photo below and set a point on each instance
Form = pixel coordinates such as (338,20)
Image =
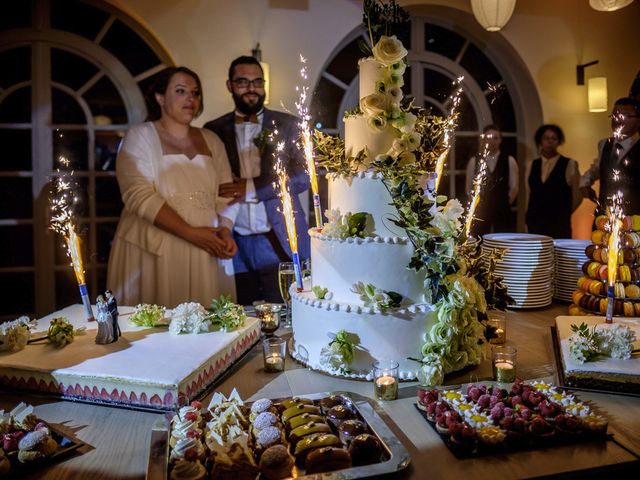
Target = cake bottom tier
(394,335)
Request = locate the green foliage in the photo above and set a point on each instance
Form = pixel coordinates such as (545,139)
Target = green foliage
(319,292)
(225,314)
(384,18)
(147,315)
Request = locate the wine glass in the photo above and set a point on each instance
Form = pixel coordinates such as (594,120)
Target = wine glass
(286,276)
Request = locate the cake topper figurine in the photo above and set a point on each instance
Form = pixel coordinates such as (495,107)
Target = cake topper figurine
(112,306)
(105,322)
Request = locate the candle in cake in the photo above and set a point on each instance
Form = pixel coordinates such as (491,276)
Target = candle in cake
(385,379)
(614,213)
(287,212)
(62,202)
(307,143)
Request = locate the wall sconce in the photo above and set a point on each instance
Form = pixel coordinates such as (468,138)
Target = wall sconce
(608,5)
(493,14)
(257,54)
(597,94)
(596,88)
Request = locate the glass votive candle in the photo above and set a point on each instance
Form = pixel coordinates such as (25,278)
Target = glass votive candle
(269,315)
(503,360)
(274,350)
(385,380)
(497,320)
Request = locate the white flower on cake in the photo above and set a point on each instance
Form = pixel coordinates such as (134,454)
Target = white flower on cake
(394,95)
(347,225)
(399,145)
(377,122)
(376,297)
(393,79)
(447,218)
(389,50)
(615,341)
(14,335)
(405,122)
(375,104)
(189,317)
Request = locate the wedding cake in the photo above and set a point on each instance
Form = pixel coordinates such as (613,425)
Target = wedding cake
(378,259)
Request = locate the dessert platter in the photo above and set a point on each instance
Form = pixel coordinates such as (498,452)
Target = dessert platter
(333,435)
(128,372)
(591,295)
(604,373)
(489,419)
(28,443)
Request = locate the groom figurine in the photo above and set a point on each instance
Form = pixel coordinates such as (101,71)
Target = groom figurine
(260,230)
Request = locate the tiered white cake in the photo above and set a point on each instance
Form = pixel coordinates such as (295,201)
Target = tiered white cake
(381,260)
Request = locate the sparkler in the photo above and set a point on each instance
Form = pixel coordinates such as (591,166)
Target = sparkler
(477,186)
(62,222)
(307,144)
(287,212)
(614,212)
(449,127)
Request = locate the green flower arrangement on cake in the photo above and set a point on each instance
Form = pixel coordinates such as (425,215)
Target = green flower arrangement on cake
(456,282)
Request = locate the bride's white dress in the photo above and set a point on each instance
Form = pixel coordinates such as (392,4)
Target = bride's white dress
(147,264)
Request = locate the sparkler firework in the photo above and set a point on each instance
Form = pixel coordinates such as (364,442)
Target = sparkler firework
(307,144)
(62,202)
(450,126)
(614,212)
(477,186)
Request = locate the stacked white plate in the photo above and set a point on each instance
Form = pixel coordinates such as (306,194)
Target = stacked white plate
(570,257)
(527,267)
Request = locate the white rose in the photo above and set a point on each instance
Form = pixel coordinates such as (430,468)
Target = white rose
(406,123)
(413,140)
(374,104)
(395,95)
(377,122)
(399,145)
(389,50)
(399,68)
(393,78)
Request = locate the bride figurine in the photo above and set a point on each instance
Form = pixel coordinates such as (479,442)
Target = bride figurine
(105,322)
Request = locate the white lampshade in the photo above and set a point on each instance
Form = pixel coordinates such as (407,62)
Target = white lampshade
(493,14)
(608,5)
(597,94)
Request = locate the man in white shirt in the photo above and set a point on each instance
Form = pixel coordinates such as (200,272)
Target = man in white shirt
(500,189)
(259,230)
(618,163)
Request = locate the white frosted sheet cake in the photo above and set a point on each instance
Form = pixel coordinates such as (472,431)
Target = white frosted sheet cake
(145,367)
(603,374)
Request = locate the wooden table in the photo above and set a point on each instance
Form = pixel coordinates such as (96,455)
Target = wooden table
(119,438)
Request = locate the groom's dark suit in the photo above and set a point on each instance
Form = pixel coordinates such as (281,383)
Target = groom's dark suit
(266,192)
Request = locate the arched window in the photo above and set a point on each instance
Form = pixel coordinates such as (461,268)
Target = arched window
(443,44)
(69,88)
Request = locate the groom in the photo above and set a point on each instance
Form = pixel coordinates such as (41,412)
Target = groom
(260,230)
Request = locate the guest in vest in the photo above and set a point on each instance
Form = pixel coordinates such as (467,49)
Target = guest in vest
(618,163)
(553,186)
(259,229)
(500,189)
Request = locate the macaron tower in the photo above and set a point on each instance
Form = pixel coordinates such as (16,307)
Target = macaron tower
(591,295)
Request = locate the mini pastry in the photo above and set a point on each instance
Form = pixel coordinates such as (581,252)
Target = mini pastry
(595,424)
(339,414)
(327,459)
(5,465)
(299,409)
(463,439)
(276,463)
(569,425)
(303,419)
(261,406)
(312,442)
(302,431)
(264,420)
(188,470)
(491,437)
(350,429)
(327,403)
(365,449)
(541,429)
(35,445)
(268,437)
(291,402)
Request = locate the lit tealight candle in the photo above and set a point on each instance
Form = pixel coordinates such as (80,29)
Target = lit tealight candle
(386,388)
(504,372)
(274,363)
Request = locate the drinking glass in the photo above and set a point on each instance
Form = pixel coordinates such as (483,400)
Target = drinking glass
(286,276)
